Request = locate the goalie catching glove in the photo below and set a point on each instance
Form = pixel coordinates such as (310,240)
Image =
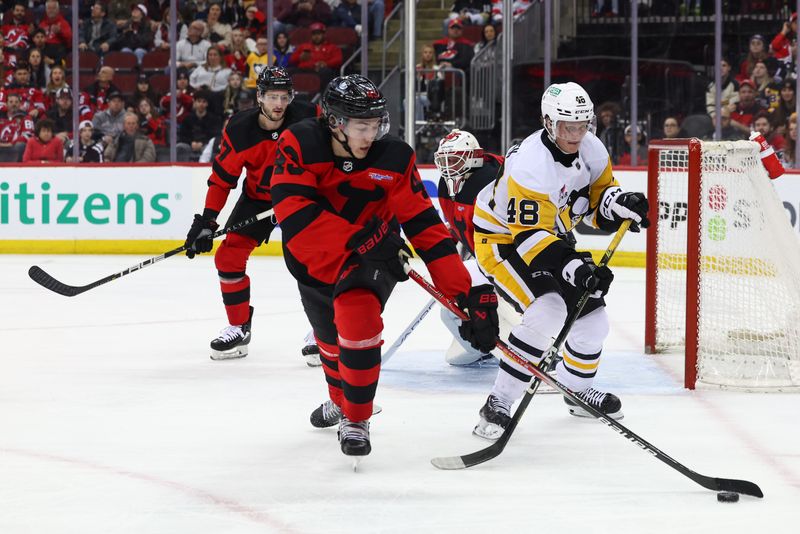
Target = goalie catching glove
(381,246)
(618,206)
(198,240)
(482,328)
(580,271)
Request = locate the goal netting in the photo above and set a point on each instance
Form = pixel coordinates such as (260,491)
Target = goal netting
(723,267)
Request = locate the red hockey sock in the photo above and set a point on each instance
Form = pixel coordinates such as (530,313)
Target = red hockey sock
(231,261)
(329,356)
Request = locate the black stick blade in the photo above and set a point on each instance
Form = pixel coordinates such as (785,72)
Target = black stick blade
(39,276)
(743,487)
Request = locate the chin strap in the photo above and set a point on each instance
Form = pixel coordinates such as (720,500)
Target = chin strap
(345,143)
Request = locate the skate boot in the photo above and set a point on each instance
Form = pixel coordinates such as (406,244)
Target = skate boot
(495,417)
(606,403)
(232,341)
(354,437)
(311,354)
(327,414)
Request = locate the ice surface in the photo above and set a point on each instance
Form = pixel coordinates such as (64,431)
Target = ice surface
(114,419)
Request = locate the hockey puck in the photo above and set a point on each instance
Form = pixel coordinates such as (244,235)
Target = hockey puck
(727,496)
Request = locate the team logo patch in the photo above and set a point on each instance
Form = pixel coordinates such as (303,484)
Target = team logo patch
(461,208)
(562,195)
(380,177)
(348,166)
(274,135)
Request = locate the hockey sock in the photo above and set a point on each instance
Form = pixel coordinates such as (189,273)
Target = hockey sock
(231,261)
(358,320)
(582,350)
(329,356)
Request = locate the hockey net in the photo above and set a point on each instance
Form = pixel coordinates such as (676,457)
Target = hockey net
(723,267)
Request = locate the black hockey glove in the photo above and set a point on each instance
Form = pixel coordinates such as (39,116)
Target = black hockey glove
(198,239)
(632,206)
(580,271)
(381,246)
(482,328)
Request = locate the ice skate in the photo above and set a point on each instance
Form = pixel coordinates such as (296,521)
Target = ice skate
(354,438)
(495,417)
(310,350)
(232,341)
(328,414)
(607,403)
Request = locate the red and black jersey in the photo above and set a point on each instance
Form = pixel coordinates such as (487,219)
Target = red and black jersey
(246,145)
(321,200)
(458,211)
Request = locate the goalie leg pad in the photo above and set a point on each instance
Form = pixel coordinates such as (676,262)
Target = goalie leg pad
(460,351)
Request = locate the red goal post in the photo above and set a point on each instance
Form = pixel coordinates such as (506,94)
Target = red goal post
(723,267)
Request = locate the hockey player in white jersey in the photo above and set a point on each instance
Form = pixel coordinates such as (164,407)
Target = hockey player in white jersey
(551,181)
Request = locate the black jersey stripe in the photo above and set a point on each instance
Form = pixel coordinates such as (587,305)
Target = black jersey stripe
(298,221)
(443,248)
(285,190)
(222,173)
(421,222)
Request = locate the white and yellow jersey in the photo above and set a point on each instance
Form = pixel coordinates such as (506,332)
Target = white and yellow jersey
(542,193)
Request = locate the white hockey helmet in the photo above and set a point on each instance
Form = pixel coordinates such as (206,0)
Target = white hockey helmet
(568,102)
(459,153)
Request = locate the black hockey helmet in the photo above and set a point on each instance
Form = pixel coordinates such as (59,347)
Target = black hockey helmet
(271,78)
(354,97)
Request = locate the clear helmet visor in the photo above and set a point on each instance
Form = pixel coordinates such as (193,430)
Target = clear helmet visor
(362,130)
(569,131)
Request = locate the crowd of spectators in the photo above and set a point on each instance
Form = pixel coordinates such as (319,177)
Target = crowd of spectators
(221,47)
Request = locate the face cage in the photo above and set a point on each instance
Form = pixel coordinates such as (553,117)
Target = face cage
(454,172)
(340,123)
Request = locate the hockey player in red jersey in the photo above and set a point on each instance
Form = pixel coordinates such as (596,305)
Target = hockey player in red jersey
(464,170)
(340,189)
(248,142)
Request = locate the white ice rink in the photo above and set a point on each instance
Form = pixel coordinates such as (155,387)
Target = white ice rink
(113,419)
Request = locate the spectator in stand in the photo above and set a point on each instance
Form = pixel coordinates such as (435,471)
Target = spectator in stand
(131,146)
(256,61)
(255,22)
(453,51)
(348,15)
(99,33)
(197,9)
(58,81)
(101,87)
(308,12)
(219,33)
(17,27)
(182,82)
(759,50)
(786,106)
(192,50)
(183,107)
(625,158)
(58,33)
(91,151)
(472,12)
(161,30)
(232,13)
(136,36)
(730,89)
(609,131)
(762,125)
(43,146)
(743,113)
(788,159)
(143,90)
(729,132)
(784,44)
(430,84)
(149,123)
(211,149)
(768,92)
(233,94)
(199,127)
(119,11)
(672,129)
(33,100)
(61,115)
(39,71)
(318,56)
(283,50)
(488,37)
(15,129)
(109,121)
(213,74)
(236,58)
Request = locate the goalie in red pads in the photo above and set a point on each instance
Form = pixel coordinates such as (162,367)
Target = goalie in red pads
(342,188)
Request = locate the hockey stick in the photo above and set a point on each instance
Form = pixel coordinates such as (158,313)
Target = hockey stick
(407,332)
(457,462)
(42,278)
(547,364)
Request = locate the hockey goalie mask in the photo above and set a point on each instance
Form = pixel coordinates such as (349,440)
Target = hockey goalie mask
(458,155)
(567,114)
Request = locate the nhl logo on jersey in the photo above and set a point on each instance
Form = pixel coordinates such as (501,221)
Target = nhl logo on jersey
(348,166)
(274,135)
